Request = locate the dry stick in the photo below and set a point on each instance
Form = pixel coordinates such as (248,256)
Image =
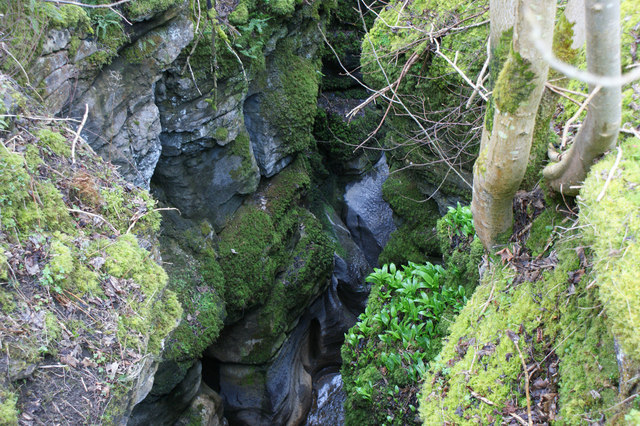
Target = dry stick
(75,139)
(514,339)
(414,57)
(480,78)
(565,132)
(135,219)
(518,418)
(481,398)
(557,90)
(610,176)
(115,231)
(91,6)
(455,67)
(486,304)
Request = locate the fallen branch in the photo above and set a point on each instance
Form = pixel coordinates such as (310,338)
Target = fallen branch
(75,139)
(136,218)
(113,228)
(459,71)
(481,398)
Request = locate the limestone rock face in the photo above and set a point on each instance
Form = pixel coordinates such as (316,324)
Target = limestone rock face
(124,121)
(368,217)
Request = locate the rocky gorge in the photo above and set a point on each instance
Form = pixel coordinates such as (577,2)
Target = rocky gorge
(198,198)
(266,237)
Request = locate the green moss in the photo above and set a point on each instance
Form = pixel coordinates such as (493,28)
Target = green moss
(415,239)
(514,83)
(291,105)
(613,230)
(7,301)
(128,260)
(241,147)
(70,16)
(142,8)
(8,410)
(222,134)
(142,49)
(282,7)
(55,142)
(19,210)
(52,324)
(166,314)
(566,324)
(120,206)
(539,235)
(4,266)
(240,14)
(203,307)
(33,157)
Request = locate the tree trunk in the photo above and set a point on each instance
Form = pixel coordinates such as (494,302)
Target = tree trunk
(506,138)
(599,130)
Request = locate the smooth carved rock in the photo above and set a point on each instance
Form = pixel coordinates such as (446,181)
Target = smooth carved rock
(368,217)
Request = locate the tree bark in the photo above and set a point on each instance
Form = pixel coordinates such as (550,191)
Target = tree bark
(599,131)
(504,149)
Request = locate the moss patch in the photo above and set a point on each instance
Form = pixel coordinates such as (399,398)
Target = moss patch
(612,227)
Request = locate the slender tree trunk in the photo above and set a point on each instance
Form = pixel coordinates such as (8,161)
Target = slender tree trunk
(506,138)
(599,130)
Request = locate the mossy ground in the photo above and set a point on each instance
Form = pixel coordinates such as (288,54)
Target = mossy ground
(612,229)
(74,278)
(551,307)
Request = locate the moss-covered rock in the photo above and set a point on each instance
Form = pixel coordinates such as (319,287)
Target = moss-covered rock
(415,239)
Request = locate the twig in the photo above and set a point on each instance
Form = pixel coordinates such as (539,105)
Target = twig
(75,139)
(518,418)
(514,338)
(136,219)
(624,401)
(610,176)
(486,304)
(480,397)
(18,62)
(480,79)
(565,132)
(91,6)
(455,67)
(113,228)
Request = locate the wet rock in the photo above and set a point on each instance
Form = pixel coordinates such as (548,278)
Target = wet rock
(367,216)
(277,393)
(329,397)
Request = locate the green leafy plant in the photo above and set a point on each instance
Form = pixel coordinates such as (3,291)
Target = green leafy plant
(460,220)
(398,334)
